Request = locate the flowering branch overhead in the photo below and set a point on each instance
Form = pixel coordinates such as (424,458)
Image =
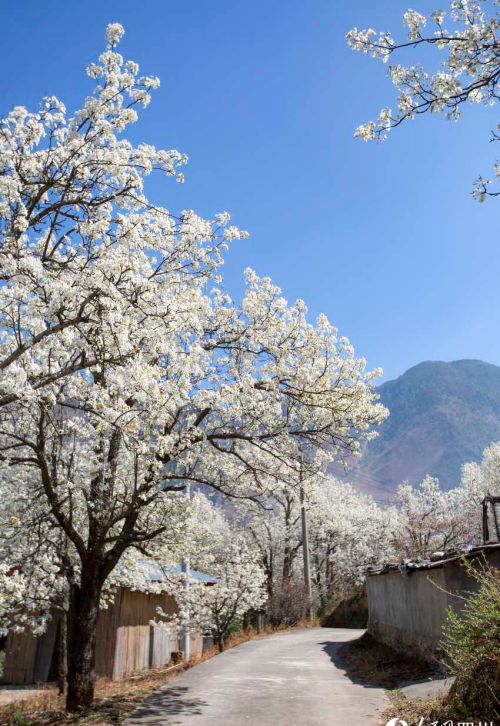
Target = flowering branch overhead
(469,71)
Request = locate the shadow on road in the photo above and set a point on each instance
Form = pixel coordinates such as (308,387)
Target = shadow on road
(373,664)
(332,649)
(164,705)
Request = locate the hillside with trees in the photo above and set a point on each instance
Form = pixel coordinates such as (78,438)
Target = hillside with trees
(442,415)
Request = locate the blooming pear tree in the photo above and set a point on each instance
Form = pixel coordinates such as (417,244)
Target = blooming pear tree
(467,38)
(478,480)
(127,371)
(266,534)
(41,569)
(432,520)
(275,531)
(348,533)
(275,535)
(38,562)
(239,587)
(72,209)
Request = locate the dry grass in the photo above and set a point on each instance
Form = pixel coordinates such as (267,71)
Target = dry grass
(438,709)
(411,710)
(114,700)
(373,663)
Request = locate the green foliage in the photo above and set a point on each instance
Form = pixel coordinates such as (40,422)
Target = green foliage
(472,646)
(235,626)
(2,660)
(21,720)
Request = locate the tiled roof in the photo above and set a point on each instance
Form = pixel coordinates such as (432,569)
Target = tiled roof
(438,559)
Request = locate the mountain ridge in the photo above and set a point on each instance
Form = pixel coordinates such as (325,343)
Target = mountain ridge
(442,415)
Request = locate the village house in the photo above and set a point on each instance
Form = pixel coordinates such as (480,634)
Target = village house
(408,605)
(127,641)
(408,602)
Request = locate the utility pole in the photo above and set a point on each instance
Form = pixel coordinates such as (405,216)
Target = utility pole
(305,552)
(186,636)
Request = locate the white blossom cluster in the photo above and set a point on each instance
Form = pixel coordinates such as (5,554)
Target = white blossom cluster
(126,373)
(348,532)
(433,520)
(468,72)
(238,588)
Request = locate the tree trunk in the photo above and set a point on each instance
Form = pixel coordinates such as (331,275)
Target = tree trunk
(63,652)
(220,643)
(84,613)
(268,565)
(287,566)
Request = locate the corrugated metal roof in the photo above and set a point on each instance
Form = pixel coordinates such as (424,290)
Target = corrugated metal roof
(155,573)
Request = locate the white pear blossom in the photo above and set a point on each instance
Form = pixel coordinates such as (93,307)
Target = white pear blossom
(430,520)
(125,372)
(469,68)
(238,586)
(348,532)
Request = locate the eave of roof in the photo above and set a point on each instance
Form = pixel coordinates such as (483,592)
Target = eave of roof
(155,573)
(412,565)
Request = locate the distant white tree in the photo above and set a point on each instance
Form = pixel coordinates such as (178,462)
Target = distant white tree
(239,581)
(349,532)
(479,480)
(432,520)
(265,529)
(274,529)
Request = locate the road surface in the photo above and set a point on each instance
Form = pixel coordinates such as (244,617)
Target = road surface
(287,679)
(9,694)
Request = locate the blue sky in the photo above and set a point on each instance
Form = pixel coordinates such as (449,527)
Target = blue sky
(264,98)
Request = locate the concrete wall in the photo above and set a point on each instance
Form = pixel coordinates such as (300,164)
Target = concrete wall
(408,611)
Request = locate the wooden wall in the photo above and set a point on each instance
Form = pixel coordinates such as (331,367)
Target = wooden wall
(134,635)
(107,627)
(126,641)
(20,654)
(28,658)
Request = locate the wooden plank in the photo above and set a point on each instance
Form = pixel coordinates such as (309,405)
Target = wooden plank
(125,641)
(106,638)
(45,650)
(20,654)
(134,646)
(196,643)
(160,649)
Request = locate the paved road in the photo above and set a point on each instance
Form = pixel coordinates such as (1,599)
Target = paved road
(288,679)
(9,694)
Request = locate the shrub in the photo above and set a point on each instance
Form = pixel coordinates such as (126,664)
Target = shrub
(472,647)
(289,604)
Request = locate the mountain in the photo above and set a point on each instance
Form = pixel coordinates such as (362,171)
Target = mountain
(442,415)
